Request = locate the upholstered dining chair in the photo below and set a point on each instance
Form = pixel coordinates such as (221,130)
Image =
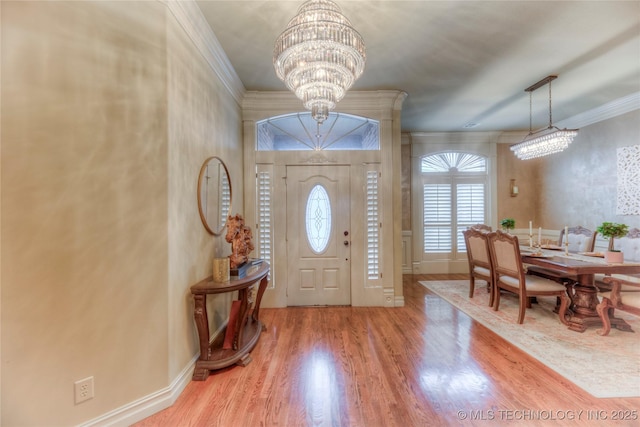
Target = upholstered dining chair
(509,275)
(624,295)
(630,247)
(482,227)
(580,240)
(480,266)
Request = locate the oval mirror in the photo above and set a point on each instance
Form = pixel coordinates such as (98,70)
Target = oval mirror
(214,195)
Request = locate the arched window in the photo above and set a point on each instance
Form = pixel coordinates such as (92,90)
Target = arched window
(454,197)
(453,162)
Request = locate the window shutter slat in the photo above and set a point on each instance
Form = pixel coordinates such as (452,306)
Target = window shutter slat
(373,226)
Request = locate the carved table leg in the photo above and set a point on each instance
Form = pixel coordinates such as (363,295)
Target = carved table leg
(245,360)
(243,296)
(583,308)
(202,323)
(261,289)
(200,374)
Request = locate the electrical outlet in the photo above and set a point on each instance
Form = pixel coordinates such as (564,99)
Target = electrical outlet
(83,389)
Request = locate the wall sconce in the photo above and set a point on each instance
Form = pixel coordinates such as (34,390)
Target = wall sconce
(513,188)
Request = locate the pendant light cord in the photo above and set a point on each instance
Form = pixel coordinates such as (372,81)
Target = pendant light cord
(530,113)
(550,117)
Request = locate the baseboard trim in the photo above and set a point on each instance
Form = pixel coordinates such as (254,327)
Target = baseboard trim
(148,405)
(152,403)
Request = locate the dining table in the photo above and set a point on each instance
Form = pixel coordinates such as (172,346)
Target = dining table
(583,293)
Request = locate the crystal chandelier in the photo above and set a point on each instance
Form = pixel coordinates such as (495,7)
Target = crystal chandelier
(546,141)
(319,56)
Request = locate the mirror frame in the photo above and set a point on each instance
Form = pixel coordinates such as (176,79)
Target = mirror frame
(203,169)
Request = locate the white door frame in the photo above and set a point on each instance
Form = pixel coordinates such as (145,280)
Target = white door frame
(384,106)
(320,277)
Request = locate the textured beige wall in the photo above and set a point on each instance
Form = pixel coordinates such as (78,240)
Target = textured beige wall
(575,187)
(580,183)
(107,115)
(84,235)
(524,207)
(204,120)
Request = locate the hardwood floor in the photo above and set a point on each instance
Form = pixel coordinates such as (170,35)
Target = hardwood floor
(425,364)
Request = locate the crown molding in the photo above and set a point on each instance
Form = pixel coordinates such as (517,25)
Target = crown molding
(376,104)
(612,109)
(452,137)
(189,16)
(607,111)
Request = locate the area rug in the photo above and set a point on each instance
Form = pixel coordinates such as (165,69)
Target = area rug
(603,366)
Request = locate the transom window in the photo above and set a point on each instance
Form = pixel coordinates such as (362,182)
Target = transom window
(299,131)
(453,162)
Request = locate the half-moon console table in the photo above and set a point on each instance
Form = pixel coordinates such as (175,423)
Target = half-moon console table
(246,325)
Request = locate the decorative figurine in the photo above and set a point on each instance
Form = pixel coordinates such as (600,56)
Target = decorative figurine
(240,237)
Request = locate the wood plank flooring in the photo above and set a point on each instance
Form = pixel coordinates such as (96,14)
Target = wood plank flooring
(425,364)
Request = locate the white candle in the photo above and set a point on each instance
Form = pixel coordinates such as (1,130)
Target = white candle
(566,234)
(530,228)
(539,235)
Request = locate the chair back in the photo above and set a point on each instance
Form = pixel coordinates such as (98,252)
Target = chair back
(629,245)
(580,239)
(482,227)
(505,256)
(477,248)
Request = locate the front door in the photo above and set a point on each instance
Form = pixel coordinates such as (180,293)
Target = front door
(318,235)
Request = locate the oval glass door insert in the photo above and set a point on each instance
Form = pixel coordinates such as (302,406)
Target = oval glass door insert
(318,218)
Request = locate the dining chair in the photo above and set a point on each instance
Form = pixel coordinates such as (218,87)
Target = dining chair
(630,247)
(482,227)
(624,295)
(509,275)
(480,266)
(580,239)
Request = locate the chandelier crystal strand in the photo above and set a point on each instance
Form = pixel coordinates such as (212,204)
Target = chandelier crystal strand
(544,145)
(319,56)
(552,139)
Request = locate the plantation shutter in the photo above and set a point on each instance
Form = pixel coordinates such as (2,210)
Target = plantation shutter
(470,209)
(373,226)
(437,218)
(265,221)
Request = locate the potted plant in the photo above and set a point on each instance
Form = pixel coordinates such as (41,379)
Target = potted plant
(508,224)
(611,230)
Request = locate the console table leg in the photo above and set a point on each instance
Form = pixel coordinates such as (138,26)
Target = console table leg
(245,360)
(202,323)
(261,288)
(243,296)
(200,374)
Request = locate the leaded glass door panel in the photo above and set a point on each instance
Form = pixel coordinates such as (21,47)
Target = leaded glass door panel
(318,236)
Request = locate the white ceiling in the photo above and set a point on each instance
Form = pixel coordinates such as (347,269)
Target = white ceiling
(461,62)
